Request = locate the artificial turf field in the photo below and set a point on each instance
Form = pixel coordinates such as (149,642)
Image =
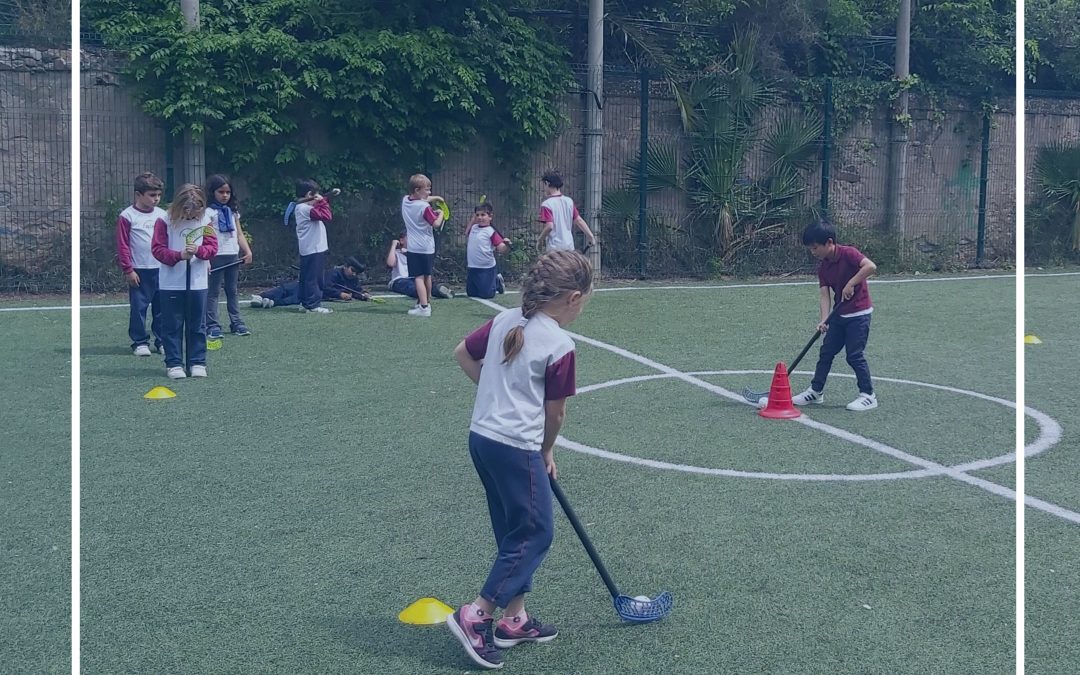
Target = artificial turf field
(277,516)
(1052,543)
(35,491)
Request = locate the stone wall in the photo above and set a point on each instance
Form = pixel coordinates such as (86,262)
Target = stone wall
(35,168)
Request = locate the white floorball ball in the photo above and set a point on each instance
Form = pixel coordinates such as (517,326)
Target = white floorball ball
(763,401)
(643,598)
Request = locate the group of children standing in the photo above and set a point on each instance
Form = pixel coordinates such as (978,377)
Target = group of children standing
(522,361)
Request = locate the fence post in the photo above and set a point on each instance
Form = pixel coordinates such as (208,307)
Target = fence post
(984,178)
(643,178)
(826,148)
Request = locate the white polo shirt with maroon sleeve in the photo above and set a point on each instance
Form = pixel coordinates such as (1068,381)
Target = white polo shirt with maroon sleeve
(559,210)
(510,397)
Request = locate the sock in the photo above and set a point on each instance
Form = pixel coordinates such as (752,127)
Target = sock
(423,306)
(515,620)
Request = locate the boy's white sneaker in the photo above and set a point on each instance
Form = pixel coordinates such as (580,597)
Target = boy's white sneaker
(317,310)
(256,301)
(807,397)
(420,311)
(198,370)
(176,373)
(142,350)
(863,402)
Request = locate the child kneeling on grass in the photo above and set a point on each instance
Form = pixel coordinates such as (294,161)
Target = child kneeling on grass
(523,364)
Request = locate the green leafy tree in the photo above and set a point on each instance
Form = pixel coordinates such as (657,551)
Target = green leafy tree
(357,94)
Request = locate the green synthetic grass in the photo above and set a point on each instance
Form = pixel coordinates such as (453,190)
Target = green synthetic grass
(35,492)
(277,516)
(1052,545)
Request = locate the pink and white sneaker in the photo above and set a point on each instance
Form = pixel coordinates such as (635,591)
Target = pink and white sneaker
(513,631)
(473,628)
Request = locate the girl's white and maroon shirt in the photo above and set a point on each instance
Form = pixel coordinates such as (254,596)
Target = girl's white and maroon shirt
(169,242)
(510,397)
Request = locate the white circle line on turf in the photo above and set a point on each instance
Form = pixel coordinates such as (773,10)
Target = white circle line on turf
(1049,435)
(989,486)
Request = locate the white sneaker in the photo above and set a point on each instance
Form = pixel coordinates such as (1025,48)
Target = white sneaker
(267,303)
(142,350)
(257,301)
(808,396)
(317,310)
(420,311)
(176,373)
(198,370)
(863,402)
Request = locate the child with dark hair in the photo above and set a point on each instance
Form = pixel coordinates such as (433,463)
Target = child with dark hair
(134,233)
(310,212)
(484,241)
(232,246)
(559,216)
(338,283)
(842,273)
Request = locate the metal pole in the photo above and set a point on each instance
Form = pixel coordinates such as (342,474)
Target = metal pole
(826,148)
(594,126)
(643,179)
(984,179)
(194,152)
(899,142)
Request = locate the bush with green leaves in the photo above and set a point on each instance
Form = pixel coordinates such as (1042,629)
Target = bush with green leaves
(358,95)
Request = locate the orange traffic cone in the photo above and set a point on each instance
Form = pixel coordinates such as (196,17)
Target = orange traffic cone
(780,406)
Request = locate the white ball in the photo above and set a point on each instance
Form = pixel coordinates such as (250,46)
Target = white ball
(763,401)
(643,598)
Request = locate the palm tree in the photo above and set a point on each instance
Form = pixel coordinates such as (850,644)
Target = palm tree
(1057,170)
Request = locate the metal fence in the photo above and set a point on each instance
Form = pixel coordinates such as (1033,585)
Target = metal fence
(729,219)
(35,171)
(959,190)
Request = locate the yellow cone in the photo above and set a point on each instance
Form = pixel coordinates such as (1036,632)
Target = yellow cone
(159,392)
(1032,340)
(425,611)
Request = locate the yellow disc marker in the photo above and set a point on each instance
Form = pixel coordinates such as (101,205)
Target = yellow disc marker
(159,393)
(1032,340)
(425,611)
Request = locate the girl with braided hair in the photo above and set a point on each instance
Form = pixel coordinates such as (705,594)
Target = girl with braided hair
(523,364)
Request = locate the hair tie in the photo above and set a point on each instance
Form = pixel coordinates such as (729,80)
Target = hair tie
(522,321)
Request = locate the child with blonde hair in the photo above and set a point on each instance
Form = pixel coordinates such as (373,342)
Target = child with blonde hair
(184,235)
(421,221)
(523,364)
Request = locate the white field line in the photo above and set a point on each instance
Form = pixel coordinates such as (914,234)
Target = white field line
(829,429)
(716,287)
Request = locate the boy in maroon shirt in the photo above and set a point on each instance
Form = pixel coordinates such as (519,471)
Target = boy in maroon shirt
(842,273)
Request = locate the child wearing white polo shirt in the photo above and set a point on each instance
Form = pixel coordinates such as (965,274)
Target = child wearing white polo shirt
(421,221)
(184,236)
(523,364)
(482,279)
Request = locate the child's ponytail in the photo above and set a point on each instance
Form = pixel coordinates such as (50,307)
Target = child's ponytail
(554,274)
